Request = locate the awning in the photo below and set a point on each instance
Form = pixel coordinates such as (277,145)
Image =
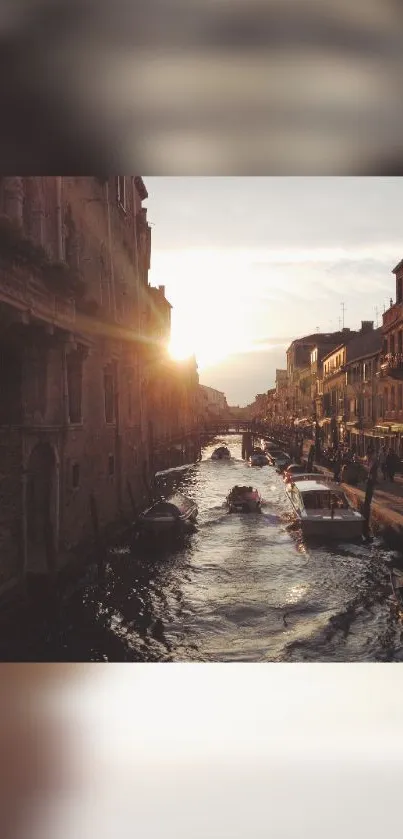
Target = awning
(384,428)
(323,421)
(397,429)
(351,424)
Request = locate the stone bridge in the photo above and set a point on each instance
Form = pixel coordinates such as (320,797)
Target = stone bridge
(233,427)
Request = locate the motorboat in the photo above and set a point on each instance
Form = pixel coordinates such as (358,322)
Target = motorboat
(258,460)
(221,453)
(292,471)
(171,515)
(279,459)
(244,499)
(323,509)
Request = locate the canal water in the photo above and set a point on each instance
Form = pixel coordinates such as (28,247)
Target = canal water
(242,588)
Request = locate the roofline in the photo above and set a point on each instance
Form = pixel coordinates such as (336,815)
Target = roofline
(141,187)
(363,357)
(398,266)
(339,347)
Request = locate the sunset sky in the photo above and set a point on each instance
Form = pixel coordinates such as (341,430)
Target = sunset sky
(249,264)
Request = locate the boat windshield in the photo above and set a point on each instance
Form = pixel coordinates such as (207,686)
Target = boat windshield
(324,500)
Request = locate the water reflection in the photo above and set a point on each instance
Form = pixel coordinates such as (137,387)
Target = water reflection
(241,587)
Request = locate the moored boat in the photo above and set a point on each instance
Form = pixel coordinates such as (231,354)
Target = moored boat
(258,460)
(323,509)
(291,472)
(171,515)
(221,453)
(243,499)
(279,459)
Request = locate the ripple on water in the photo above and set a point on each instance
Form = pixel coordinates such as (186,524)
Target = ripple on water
(242,588)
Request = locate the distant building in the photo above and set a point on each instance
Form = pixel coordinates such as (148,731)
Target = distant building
(335,365)
(390,388)
(213,402)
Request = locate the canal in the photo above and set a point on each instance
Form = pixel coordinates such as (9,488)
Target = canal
(242,588)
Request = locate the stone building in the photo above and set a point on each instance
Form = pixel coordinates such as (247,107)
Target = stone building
(325,344)
(79,345)
(335,364)
(213,403)
(390,384)
(361,408)
(299,376)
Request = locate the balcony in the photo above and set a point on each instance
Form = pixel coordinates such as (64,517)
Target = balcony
(336,369)
(393,315)
(391,365)
(20,290)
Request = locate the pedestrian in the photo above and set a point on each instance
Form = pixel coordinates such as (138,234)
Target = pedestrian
(382,461)
(391,464)
(337,466)
(373,465)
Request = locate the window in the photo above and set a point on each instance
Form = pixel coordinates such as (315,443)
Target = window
(400,397)
(75,475)
(392,344)
(37,381)
(109,390)
(385,399)
(111,465)
(74,385)
(121,191)
(392,398)
(400,341)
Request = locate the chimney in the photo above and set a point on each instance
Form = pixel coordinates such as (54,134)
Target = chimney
(367,325)
(161,288)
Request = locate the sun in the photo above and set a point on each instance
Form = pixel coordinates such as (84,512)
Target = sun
(180,348)
(210,334)
(210,347)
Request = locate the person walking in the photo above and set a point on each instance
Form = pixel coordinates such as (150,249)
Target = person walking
(373,465)
(391,464)
(337,466)
(382,462)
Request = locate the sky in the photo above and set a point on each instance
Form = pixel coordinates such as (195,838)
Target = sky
(232,752)
(250,263)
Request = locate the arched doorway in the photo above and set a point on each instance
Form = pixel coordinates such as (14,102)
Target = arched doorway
(42,509)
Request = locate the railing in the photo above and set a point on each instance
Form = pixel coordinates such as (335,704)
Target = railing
(391,362)
(333,370)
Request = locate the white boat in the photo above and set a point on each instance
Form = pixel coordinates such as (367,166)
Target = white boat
(258,460)
(222,453)
(168,516)
(243,499)
(323,509)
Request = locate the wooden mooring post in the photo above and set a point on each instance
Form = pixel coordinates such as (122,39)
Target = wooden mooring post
(367,506)
(247,445)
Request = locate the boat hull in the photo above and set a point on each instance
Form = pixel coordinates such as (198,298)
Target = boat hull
(332,529)
(168,518)
(244,508)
